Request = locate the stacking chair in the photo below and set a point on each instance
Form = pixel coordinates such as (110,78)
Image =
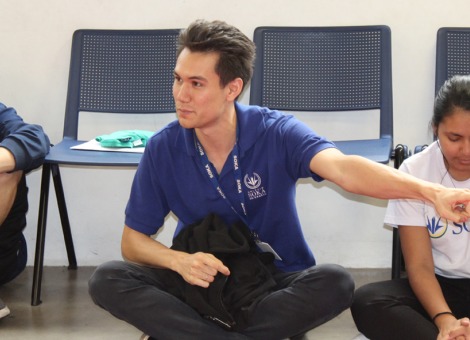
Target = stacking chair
(452,53)
(401,153)
(111,71)
(452,58)
(328,69)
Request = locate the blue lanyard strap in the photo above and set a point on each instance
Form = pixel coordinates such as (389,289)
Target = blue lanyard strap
(211,173)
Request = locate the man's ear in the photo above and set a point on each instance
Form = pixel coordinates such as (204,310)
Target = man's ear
(235,87)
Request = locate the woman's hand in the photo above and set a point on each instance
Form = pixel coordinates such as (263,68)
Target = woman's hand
(453,329)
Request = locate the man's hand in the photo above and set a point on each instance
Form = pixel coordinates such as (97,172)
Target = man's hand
(453,204)
(200,269)
(197,269)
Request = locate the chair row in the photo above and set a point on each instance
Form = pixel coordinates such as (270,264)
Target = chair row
(308,69)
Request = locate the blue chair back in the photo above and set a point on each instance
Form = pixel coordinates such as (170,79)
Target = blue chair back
(327,69)
(452,53)
(120,71)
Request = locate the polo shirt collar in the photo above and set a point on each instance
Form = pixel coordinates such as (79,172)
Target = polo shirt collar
(250,123)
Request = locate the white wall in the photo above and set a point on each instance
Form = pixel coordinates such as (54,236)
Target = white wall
(35,39)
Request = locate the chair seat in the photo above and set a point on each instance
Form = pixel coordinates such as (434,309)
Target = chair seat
(377,150)
(62,154)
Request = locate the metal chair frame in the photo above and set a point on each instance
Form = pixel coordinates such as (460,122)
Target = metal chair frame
(112,71)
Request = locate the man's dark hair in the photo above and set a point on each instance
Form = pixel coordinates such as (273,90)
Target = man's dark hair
(236,51)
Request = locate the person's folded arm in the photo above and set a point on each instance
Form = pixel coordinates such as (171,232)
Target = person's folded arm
(196,269)
(28,143)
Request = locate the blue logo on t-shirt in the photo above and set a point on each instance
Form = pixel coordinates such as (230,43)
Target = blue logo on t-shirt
(436,230)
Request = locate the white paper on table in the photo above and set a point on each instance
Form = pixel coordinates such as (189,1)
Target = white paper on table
(94,145)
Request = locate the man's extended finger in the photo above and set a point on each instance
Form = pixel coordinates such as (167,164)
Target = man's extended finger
(218,265)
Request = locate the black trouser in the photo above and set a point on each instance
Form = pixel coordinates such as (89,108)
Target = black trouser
(13,253)
(303,301)
(390,310)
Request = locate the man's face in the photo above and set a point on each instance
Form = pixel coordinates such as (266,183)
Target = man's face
(200,100)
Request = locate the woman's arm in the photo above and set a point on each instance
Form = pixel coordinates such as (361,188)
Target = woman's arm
(416,247)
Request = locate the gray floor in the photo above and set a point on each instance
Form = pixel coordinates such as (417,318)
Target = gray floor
(67,311)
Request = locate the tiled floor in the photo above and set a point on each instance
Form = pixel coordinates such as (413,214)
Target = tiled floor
(67,311)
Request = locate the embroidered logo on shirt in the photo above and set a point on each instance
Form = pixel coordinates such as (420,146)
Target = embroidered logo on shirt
(254,184)
(439,227)
(435,228)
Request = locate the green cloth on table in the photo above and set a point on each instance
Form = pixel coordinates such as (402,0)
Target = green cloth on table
(125,139)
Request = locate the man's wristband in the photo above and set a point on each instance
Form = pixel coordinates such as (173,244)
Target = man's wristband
(441,313)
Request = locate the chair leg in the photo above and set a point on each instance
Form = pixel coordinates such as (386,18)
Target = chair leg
(41,235)
(396,255)
(64,216)
(42,222)
(400,153)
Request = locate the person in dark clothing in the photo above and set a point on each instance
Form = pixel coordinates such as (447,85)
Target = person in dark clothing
(23,148)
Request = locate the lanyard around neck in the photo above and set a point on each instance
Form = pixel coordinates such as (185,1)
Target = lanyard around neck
(209,169)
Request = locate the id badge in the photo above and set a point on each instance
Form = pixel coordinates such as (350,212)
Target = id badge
(268,249)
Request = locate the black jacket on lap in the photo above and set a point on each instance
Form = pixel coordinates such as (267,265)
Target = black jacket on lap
(227,300)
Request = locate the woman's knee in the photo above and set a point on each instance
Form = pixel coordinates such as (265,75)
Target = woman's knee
(362,298)
(369,300)
(377,294)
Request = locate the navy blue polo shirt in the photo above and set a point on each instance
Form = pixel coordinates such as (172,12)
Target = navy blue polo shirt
(275,150)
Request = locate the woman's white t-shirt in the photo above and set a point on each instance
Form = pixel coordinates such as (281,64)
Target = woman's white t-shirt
(450,241)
